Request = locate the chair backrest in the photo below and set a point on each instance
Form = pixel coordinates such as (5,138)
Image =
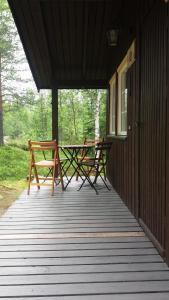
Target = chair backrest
(102,150)
(91,142)
(39,146)
(43,146)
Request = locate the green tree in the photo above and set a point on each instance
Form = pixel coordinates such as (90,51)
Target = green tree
(7,49)
(6,53)
(11,59)
(78,110)
(29,118)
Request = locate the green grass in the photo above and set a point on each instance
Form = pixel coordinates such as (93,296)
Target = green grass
(13,163)
(14,166)
(13,172)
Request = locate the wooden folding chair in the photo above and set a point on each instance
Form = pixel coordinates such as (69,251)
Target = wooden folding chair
(83,156)
(52,164)
(96,165)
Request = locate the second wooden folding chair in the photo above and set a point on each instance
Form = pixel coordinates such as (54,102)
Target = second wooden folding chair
(96,165)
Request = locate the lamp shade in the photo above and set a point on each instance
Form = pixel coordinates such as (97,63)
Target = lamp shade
(112,37)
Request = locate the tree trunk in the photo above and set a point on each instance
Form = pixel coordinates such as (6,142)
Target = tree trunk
(55,135)
(1,109)
(97,113)
(74,117)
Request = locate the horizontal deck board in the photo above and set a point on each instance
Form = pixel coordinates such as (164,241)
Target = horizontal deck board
(79,253)
(95,268)
(67,225)
(84,288)
(84,278)
(74,247)
(69,230)
(100,222)
(59,218)
(75,207)
(142,296)
(72,235)
(68,206)
(49,261)
(93,240)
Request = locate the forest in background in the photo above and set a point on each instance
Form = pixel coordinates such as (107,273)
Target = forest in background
(25,113)
(77,117)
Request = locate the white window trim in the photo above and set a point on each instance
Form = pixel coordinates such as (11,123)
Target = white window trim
(128,60)
(123,66)
(112,83)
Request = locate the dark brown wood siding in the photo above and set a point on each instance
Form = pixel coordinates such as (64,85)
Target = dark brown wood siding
(167,144)
(153,122)
(123,163)
(137,167)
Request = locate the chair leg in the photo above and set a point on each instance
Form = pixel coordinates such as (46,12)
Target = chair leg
(53,181)
(104,172)
(63,170)
(96,174)
(36,176)
(87,177)
(99,174)
(29,180)
(77,175)
(61,177)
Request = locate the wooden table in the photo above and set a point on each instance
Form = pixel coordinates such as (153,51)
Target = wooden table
(71,152)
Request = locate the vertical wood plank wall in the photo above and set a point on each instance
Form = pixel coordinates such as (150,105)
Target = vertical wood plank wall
(122,163)
(167,142)
(153,122)
(138,170)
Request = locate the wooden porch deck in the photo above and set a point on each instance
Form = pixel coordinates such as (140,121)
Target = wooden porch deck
(77,245)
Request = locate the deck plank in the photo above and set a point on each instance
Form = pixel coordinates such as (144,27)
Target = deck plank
(84,278)
(77,245)
(74,269)
(84,288)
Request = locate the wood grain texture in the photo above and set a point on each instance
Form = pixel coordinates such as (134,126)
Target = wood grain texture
(138,168)
(104,260)
(72,35)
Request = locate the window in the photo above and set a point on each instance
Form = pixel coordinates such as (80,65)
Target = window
(112,128)
(122,98)
(118,95)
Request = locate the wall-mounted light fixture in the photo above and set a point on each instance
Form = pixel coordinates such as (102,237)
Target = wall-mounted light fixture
(112,37)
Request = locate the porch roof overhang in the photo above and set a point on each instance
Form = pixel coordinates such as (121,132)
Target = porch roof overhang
(65,41)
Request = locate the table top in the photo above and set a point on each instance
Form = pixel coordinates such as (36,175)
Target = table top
(76,146)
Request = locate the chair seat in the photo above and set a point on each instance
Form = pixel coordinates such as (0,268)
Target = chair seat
(84,158)
(45,163)
(63,159)
(91,163)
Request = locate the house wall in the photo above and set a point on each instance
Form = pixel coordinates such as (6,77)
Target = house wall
(122,168)
(153,122)
(137,167)
(167,144)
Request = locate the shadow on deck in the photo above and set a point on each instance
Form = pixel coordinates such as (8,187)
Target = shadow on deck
(77,245)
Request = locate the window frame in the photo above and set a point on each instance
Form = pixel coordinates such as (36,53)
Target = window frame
(123,67)
(126,63)
(113,104)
